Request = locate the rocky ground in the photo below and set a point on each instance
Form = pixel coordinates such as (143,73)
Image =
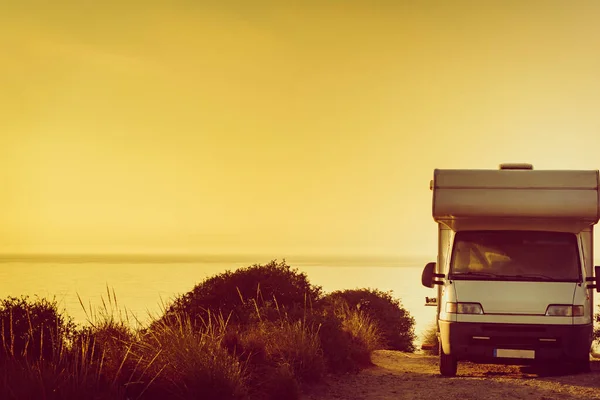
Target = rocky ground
(397,375)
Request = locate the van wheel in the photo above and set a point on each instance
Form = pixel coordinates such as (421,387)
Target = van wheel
(448,363)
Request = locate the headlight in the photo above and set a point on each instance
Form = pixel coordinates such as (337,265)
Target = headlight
(464,308)
(564,310)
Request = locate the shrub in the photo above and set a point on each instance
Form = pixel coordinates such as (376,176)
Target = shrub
(261,332)
(365,336)
(362,334)
(108,338)
(430,340)
(239,293)
(346,336)
(395,323)
(189,361)
(279,382)
(336,344)
(596,332)
(280,356)
(71,377)
(295,344)
(33,329)
(43,356)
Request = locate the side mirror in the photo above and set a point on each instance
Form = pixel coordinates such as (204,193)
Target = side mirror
(428,276)
(594,279)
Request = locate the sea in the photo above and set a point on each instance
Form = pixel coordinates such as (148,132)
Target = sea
(143,285)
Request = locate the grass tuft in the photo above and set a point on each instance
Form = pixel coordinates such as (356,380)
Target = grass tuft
(263,344)
(190,361)
(430,340)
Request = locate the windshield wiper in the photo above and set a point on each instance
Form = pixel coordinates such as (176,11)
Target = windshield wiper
(474,274)
(531,276)
(524,277)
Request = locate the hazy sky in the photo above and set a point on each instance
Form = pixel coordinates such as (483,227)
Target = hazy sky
(277,127)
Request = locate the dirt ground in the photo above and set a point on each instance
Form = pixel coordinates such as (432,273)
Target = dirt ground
(399,375)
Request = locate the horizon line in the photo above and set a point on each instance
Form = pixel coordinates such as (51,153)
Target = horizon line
(164,257)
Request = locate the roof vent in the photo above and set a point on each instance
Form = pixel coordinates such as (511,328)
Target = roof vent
(516,166)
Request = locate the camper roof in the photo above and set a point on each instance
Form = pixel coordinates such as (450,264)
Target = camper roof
(516,197)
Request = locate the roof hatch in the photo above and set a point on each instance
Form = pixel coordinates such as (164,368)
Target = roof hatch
(517,166)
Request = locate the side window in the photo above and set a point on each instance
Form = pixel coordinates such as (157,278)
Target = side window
(446,238)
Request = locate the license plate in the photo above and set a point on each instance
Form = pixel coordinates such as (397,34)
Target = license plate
(509,353)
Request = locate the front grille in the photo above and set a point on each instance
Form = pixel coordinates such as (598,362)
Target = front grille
(515,342)
(513,329)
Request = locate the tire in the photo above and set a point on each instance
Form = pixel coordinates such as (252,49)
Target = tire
(448,363)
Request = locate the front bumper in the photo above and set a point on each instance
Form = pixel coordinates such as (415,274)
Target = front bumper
(478,341)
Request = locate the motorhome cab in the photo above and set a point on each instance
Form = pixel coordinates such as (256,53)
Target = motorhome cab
(514,271)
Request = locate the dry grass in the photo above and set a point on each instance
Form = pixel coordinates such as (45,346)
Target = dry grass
(72,372)
(364,333)
(179,358)
(189,361)
(292,343)
(430,340)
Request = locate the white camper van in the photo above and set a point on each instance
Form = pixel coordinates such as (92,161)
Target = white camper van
(514,271)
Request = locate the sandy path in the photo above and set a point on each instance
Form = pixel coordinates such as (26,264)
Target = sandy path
(409,376)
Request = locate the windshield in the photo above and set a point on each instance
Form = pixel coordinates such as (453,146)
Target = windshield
(515,255)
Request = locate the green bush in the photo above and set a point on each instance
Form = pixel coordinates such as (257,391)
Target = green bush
(336,344)
(280,356)
(365,336)
(430,338)
(596,333)
(69,378)
(33,329)
(260,333)
(43,356)
(278,382)
(394,321)
(183,360)
(296,344)
(241,293)
(107,342)
(348,336)
(107,346)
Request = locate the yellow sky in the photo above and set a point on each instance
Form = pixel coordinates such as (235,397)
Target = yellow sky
(311,127)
